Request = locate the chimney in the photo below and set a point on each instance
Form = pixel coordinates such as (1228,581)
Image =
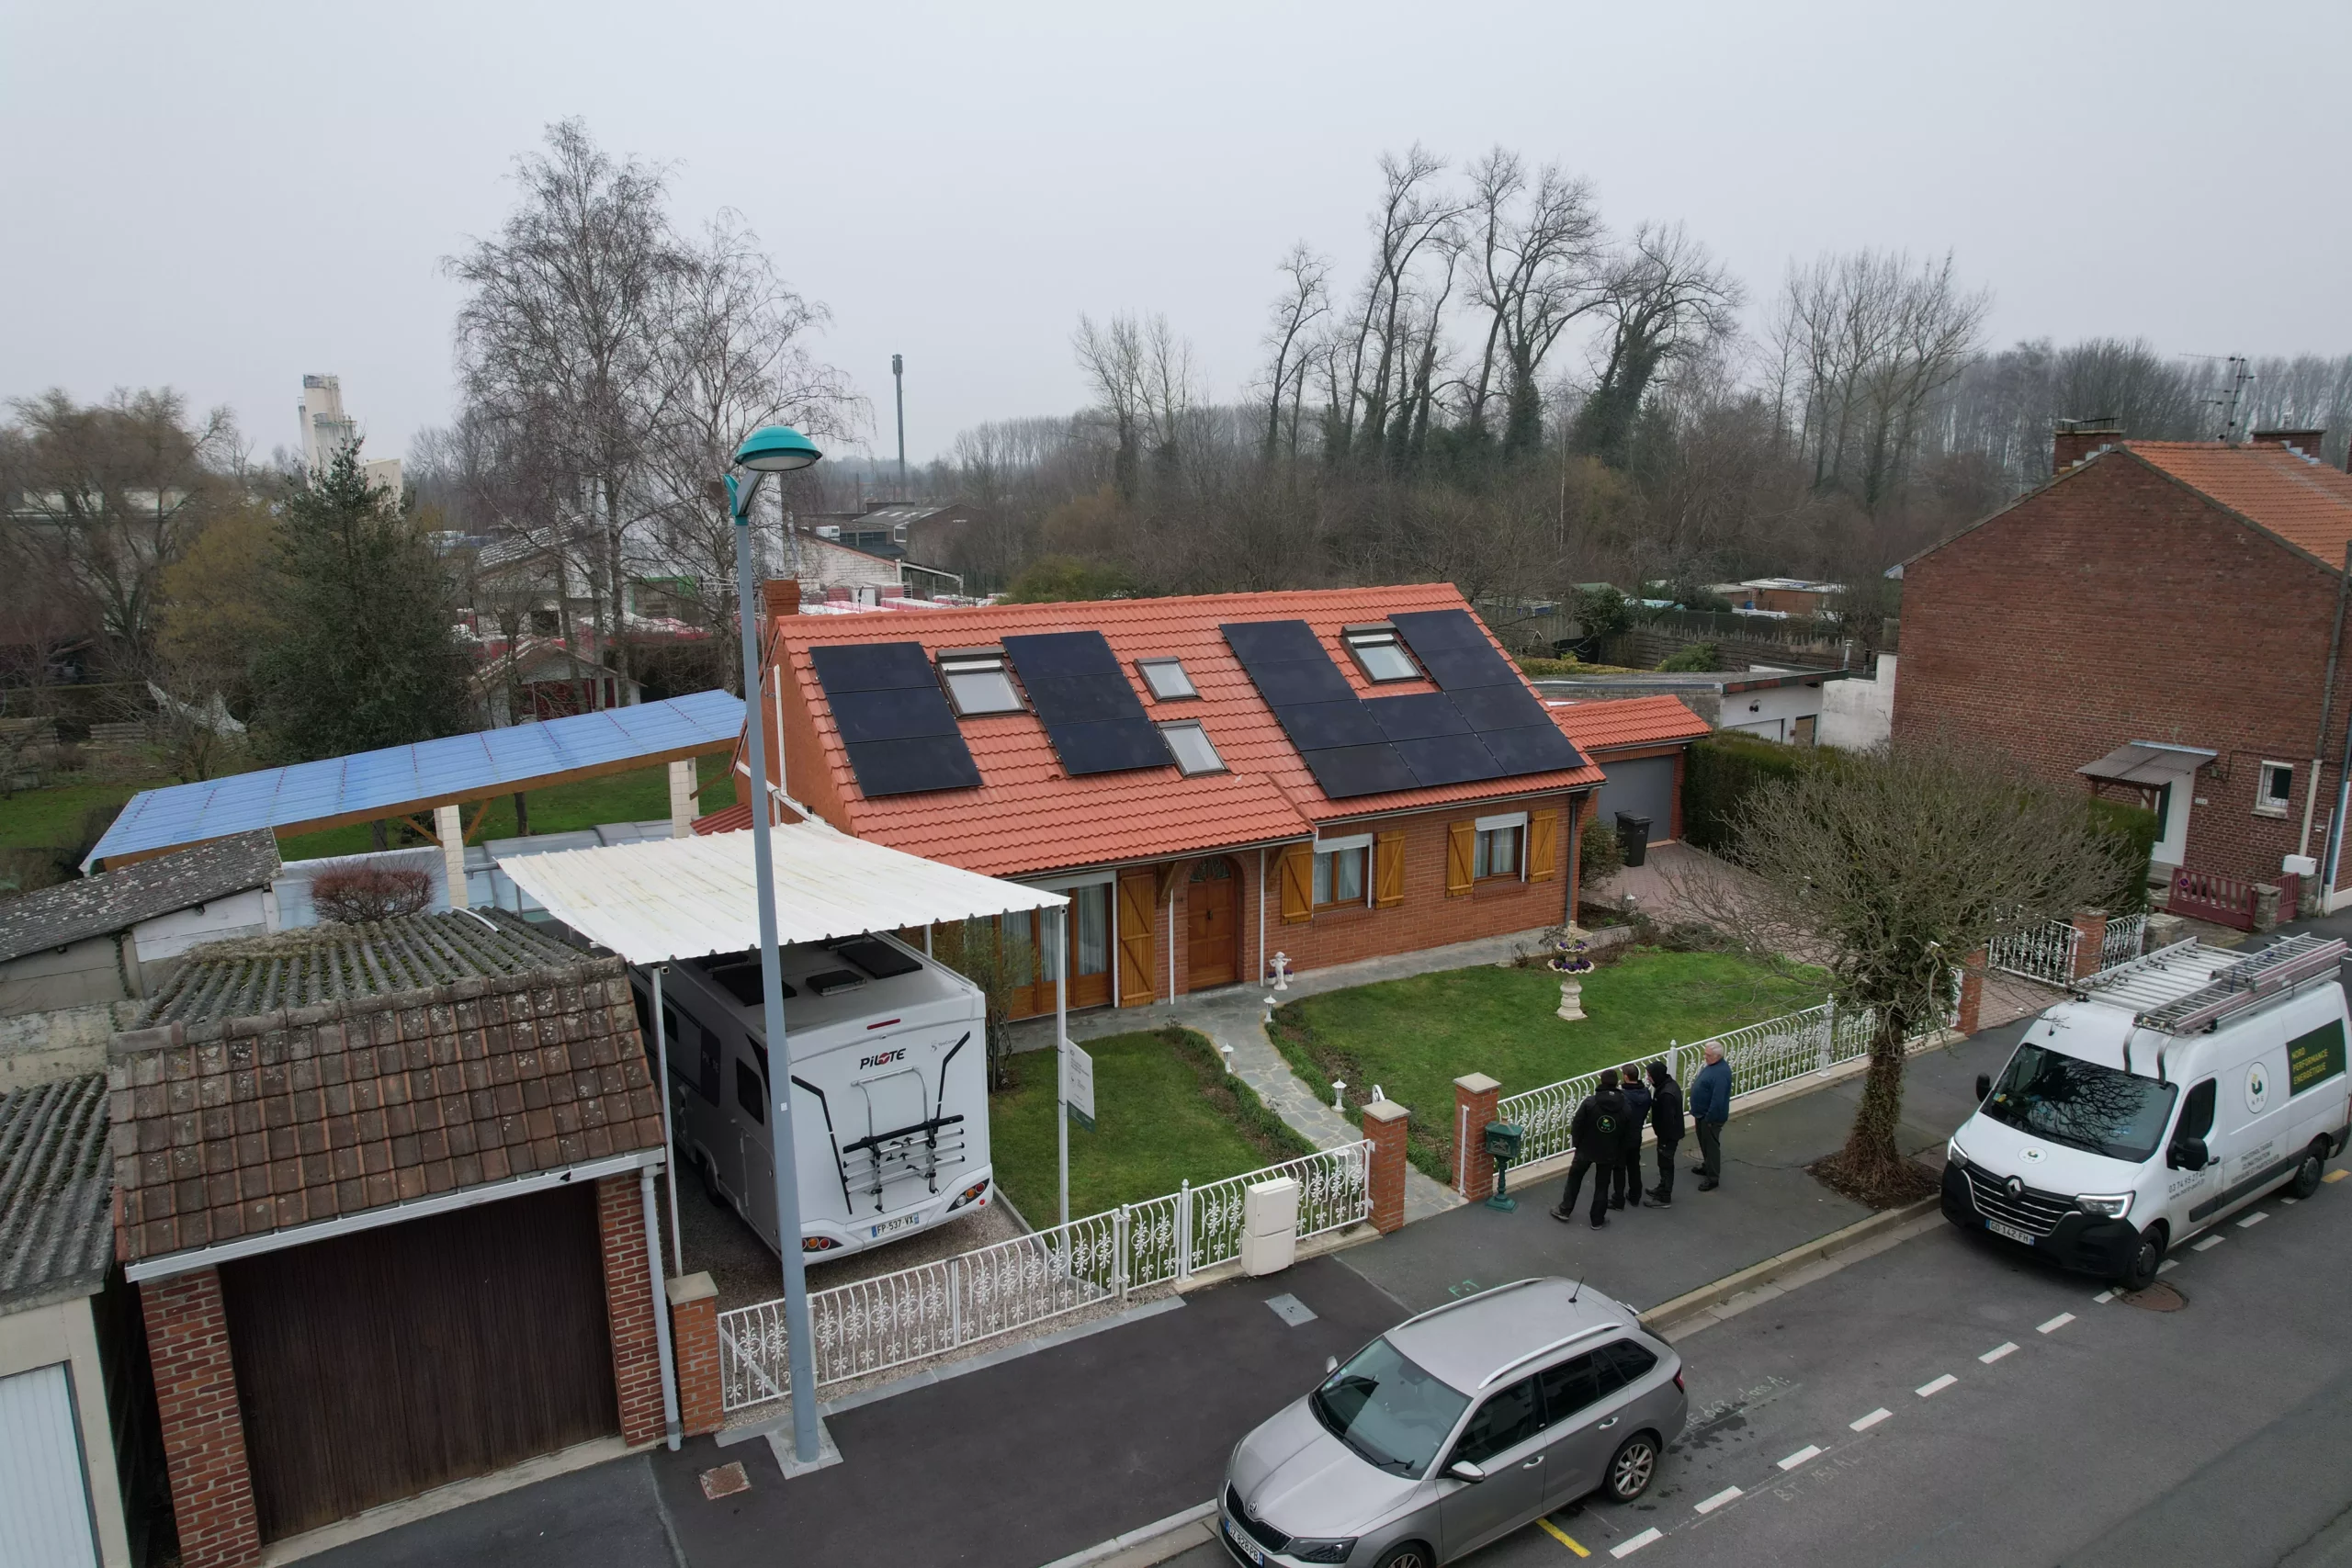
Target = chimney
(780,596)
(2076,439)
(2305,441)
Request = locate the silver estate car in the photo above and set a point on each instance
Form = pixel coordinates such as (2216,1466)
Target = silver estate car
(1457,1427)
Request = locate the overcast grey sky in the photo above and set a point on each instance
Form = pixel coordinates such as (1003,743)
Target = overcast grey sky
(223,197)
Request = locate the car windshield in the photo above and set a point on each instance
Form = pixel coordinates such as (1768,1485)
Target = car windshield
(1389,1411)
(2082,1104)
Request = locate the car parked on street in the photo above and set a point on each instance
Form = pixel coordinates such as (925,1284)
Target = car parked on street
(1454,1428)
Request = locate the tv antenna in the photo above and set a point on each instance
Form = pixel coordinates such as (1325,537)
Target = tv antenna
(2231,401)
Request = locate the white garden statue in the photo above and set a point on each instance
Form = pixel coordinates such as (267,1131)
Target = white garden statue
(1571,965)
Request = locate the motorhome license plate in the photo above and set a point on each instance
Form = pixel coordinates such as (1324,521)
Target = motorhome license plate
(1249,1549)
(1998,1228)
(904,1222)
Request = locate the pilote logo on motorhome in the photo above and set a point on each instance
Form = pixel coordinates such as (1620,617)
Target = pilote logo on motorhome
(883,1060)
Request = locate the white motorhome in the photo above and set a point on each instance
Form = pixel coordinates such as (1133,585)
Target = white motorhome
(2164,1098)
(889,1087)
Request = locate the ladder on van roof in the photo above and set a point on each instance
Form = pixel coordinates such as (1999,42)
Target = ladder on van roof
(2187,989)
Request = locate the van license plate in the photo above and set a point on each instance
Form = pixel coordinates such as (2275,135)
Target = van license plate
(1249,1549)
(904,1222)
(1998,1228)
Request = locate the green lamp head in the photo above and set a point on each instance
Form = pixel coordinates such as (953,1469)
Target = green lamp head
(776,449)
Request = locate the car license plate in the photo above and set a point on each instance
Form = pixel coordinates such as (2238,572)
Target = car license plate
(904,1222)
(1998,1228)
(1239,1538)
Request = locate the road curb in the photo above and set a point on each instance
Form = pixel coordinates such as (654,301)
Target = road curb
(1821,1256)
(1154,1543)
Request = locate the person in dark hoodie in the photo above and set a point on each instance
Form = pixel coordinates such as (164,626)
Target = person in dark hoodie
(1599,1133)
(1625,1191)
(1665,1119)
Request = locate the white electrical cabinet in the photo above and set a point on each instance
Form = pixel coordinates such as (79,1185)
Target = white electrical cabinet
(1268,1226)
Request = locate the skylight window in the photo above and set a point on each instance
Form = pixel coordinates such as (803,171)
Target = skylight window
(1381,655)
(1166,679)
(977,684)
(1190,745)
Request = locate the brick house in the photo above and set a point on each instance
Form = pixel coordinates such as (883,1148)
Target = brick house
(2157,624)
(382,1192)
(1644,745)
(1375,777)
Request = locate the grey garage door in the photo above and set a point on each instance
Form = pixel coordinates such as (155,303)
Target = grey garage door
(44,1511)
(1646,788)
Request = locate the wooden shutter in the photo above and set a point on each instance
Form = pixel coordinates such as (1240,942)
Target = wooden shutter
(1136,946)
(1298,883)
(1461,843)
(1542,845)
(1387,871)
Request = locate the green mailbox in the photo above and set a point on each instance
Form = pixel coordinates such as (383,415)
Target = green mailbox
(1504,1140)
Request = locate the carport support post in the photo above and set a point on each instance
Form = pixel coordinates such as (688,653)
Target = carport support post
(1061,1059)
(798,1347)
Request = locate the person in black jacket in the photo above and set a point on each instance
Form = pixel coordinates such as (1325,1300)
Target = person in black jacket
(1625,1190)
(1599,1131)
(1665,1119)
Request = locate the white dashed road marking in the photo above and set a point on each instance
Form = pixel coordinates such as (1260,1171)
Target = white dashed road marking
(2168,1265)
(2253,1219)
(2103,1298)
(1810,1450)
(1929,1390)
(1717,1501)
(1873,1419)
(2055,1323)
(2007,1347)
(2207,1244)
(1627,1547)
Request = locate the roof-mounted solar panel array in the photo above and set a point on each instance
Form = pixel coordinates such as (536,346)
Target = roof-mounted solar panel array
(1090,714)
(894,721)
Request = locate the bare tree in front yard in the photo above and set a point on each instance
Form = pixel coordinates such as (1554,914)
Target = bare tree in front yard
(1890,869)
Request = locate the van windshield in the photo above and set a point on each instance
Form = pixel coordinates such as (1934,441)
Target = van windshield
(2082,1104)
(1389,1411)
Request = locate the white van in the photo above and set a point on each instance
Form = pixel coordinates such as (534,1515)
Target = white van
(2164,1098)
(889,1087)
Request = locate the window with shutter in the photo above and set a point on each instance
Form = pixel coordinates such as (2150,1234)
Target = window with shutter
(1461,845)
(1542,845)
(1298,883)
(1387,871)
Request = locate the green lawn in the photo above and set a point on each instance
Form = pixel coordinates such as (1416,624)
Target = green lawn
(40,819)
(1414,1037)
(1166,1112)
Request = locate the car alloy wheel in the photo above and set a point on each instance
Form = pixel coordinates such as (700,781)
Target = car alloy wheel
(1412,1554)
(1632,1469)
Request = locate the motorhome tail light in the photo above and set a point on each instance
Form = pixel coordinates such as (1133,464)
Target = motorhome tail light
(818,1244)
(972,1194)
(884,1024)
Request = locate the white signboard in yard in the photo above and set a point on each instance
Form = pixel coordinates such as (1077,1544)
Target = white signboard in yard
(1078,1085)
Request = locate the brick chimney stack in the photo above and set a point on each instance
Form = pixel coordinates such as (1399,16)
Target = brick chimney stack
(2305,441)
(2076,439)
(780,596)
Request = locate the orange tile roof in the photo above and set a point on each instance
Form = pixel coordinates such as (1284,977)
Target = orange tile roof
(2307,504)
(1616,723)
(1029,816)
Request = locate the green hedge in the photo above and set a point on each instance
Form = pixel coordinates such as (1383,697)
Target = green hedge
(2134,830)
(1721,770)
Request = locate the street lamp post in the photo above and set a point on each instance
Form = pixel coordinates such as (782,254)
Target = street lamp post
(775,449)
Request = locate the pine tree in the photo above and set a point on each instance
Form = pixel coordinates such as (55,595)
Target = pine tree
(366,655)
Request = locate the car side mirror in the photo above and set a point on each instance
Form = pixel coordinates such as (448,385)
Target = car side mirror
(2187,1154)
(1330,1365)
(1984,1088)
(1463,1470)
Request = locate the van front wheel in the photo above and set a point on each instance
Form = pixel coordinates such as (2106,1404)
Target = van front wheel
(2309,1173)
(2147,1258)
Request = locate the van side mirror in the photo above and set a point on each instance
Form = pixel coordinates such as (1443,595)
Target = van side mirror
(2187,1154)
(1463,1470)
(1984,1088)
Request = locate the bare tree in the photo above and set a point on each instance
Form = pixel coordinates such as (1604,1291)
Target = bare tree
(1535,251)
(1114,358)
(1304,300)
(1665,299)
(1415,216)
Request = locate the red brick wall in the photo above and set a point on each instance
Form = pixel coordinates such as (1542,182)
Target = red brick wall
(204,1435)
(694,1338)
(2116,606)
(1384,1123)
(629,1307)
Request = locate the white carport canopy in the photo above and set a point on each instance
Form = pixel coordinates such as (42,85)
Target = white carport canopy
(668,898)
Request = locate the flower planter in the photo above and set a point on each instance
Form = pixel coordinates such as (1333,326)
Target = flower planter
(1571,965)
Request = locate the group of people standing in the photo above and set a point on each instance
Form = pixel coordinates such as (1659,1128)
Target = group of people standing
(1607,1134)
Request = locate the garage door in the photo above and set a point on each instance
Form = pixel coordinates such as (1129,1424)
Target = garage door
(378,1365)
(1645,788)
(44,1510)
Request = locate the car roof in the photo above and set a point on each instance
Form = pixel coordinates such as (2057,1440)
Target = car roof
(1467,1344)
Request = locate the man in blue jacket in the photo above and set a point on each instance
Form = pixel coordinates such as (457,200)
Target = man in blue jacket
(1710,1109)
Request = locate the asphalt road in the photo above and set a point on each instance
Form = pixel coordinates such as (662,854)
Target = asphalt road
(2097,1434)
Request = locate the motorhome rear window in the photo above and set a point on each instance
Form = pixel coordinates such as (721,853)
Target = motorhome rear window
(879,959)
(2082,1104)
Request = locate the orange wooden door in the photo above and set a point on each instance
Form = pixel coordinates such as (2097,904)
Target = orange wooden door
(1213,927)
(1136,946)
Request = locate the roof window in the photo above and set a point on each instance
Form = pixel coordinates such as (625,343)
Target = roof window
(1380,654)
(1166,679)
(1189,743)
(977,684)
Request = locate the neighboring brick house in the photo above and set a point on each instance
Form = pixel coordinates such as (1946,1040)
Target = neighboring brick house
(1644,745)
(2158,620)
(1194,866)
(383,1191)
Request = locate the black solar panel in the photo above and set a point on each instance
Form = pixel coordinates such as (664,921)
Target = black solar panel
(871,666)
(1090,713)
(1499,707)
(896,713)
(876,957)
(1272,642)
(1425,630)
(1046,654)
(1295,682)
(910,767)
(1448,759)
(1317,726)
(1536,748)
(1082,699)
(1111,746)
(1462,668)
(1417,717)
(1347,770)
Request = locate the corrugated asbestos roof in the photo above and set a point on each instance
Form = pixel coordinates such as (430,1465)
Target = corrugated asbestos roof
(1616,723)
(116,900)
(56,1236)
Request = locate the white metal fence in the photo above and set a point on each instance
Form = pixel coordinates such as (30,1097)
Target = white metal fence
(2047,952)
(894,1320)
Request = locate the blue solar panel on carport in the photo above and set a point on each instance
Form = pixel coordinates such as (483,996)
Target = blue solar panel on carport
(1272,642)
(1448,759)
(1417,716)
(871,667)
(1536,748)
(902,713)
(1345,772)
(1499,707)
(1317,726)
(1092,715)
(914,766)
(1111,746)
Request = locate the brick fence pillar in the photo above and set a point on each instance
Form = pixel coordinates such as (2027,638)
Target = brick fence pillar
(2090,942)
(204,1433)
(1971,992)
(1384,1123)
(629,1304)
(1474,1107)
(694,1338)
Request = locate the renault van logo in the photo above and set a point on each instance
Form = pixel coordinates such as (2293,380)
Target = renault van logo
(2017,1187)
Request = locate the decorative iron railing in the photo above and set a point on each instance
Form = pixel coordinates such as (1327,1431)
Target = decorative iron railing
(895,1320)
(2049,951)
(2126,934)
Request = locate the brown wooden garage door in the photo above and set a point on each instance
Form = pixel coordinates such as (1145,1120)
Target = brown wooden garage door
(376,1365)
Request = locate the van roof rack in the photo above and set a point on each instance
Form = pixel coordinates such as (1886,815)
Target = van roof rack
(2253,981)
